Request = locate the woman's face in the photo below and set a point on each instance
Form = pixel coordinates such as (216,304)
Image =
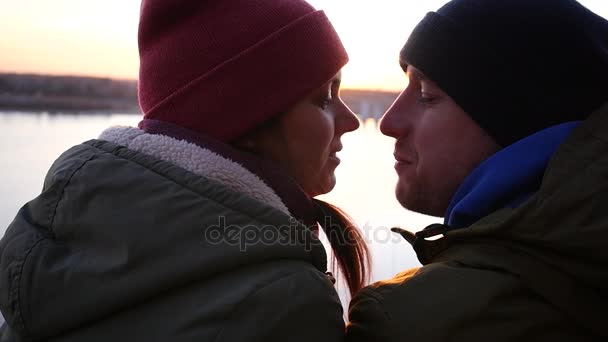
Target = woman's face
(306,138)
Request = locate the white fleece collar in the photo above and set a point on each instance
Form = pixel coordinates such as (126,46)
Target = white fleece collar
(197,160)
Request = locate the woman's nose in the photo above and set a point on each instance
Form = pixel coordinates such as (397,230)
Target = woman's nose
(346,120)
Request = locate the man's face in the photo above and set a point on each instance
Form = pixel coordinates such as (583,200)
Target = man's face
(437,145)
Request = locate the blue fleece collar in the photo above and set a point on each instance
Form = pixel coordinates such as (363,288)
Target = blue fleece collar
(506,179)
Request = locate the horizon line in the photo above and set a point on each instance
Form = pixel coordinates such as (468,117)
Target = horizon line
(124,79)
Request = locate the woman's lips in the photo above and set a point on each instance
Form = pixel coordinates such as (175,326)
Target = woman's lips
(333,154)
(333,157)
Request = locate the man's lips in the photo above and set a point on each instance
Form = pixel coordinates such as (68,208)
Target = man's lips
(402,162)
(402,159)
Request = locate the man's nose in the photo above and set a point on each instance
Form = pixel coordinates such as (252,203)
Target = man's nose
(394,122)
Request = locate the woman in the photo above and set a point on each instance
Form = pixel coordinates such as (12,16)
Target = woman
(200,224)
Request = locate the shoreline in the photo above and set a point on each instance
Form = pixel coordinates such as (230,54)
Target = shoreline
(70,104)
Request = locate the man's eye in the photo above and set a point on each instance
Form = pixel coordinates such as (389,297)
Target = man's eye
(426,98)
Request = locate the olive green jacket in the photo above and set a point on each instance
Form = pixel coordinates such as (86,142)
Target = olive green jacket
(125,246)
(535,273)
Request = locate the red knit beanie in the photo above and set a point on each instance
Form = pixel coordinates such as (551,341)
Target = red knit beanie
(222,67)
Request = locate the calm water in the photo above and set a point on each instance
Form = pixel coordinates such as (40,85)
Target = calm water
(30,142)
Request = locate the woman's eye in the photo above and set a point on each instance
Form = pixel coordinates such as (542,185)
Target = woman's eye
(324,102)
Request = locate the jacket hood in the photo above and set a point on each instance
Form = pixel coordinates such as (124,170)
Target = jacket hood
(195,159)
(87,248)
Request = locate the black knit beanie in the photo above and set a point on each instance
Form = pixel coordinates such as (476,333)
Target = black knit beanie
(515,66)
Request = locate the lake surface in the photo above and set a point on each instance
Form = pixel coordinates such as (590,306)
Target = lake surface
(30,142)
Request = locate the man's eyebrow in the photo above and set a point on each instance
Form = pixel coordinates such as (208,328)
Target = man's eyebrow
(417,74)
(408,69)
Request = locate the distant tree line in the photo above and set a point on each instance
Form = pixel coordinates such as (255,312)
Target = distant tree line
(32,92)
(33,85)
(368,103)
(66,93)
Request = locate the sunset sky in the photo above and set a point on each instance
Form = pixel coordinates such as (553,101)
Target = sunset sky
(99,38)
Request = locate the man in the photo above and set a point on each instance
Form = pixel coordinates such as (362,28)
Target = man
(503,131)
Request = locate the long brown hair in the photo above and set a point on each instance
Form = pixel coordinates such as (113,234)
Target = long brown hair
(349,247)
